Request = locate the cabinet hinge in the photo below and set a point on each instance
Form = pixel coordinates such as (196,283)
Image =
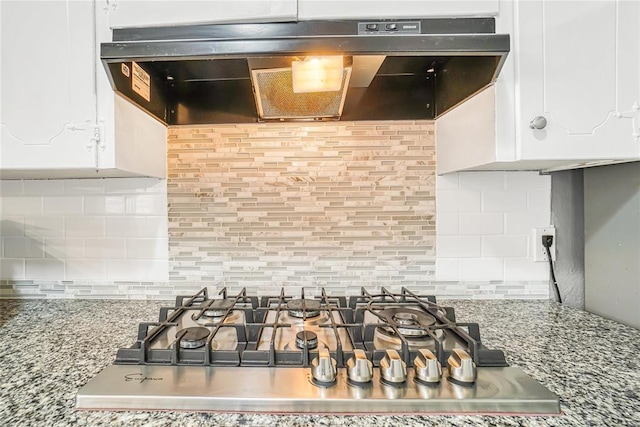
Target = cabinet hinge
(95,144)
(634,115)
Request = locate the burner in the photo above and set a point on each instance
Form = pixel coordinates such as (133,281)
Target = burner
(407,317)
(219,307)
(194,337)
(303,308)
(311,337)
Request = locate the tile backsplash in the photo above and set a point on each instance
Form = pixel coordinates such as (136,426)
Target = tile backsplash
(340,205)
(329,205)
(79,236)
(484,227)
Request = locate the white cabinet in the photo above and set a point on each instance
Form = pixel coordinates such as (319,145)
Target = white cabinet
(577,65)
(144,13)
(57,109)
(48,103)
(379,9)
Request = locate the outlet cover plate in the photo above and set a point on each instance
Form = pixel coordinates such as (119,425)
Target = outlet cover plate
(539,252)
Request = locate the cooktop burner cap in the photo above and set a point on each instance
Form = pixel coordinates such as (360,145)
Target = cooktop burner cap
(408,321)
(311,337)
(219,307)
(194,337)
(303,308)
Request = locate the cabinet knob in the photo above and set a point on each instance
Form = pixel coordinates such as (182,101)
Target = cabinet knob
(538,123)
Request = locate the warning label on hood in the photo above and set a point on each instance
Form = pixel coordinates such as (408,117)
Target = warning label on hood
(141,82)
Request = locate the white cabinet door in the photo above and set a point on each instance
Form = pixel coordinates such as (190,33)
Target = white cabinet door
(578,65)
(48,98)
(145,13)
(380,9)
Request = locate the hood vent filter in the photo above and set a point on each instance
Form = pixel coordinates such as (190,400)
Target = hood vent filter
(275,99)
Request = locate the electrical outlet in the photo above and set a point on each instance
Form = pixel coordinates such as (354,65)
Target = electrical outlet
(539,251)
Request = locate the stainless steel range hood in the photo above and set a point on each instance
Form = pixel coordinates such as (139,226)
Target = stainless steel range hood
(397,69)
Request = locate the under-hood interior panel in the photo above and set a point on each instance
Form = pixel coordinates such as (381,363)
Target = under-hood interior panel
(206,79)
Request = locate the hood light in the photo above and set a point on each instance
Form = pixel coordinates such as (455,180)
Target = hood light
(317,74)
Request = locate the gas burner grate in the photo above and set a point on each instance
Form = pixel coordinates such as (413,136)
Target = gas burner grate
(257,326)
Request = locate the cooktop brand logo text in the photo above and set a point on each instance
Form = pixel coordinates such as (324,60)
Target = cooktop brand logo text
(139,377)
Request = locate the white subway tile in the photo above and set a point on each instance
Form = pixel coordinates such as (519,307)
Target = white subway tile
(158,186)
(482,180)
(105,248)
(84,186)
(525,269)
(11,269)
(527,181)
(447,269)
(505,246)
(458,201)
(11,226)
(458,246)
(477,269)
(17,205)
(22,247)
(11,187)
(84,226)
(137,270)
(44,226)
(447,182)
(52,269)
(447,224)
(64,247)
(157,248)
(44,187)
(132,185)
(136,227)
(504,201)
(64,205)
(104,205)
(539,200)
(523,222)
(146,205)
(84,269)
(481,223)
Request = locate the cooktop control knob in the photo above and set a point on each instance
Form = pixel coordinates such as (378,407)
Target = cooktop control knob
(427,366)
(462,370)
(392,368)
(359,368)
(323,367)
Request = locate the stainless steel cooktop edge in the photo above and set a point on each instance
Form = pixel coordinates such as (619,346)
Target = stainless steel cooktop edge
(506,391)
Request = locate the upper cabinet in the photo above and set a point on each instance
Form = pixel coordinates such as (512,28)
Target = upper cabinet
(381,9)
(569,94)
(143,13)
(579,71)
(48,103)
(59,117)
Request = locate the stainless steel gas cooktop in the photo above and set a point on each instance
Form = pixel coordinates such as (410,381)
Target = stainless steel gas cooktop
(378,352)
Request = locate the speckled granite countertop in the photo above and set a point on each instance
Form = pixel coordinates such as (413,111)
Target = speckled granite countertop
(50,348)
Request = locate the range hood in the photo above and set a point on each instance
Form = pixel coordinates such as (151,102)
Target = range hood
(241,73)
